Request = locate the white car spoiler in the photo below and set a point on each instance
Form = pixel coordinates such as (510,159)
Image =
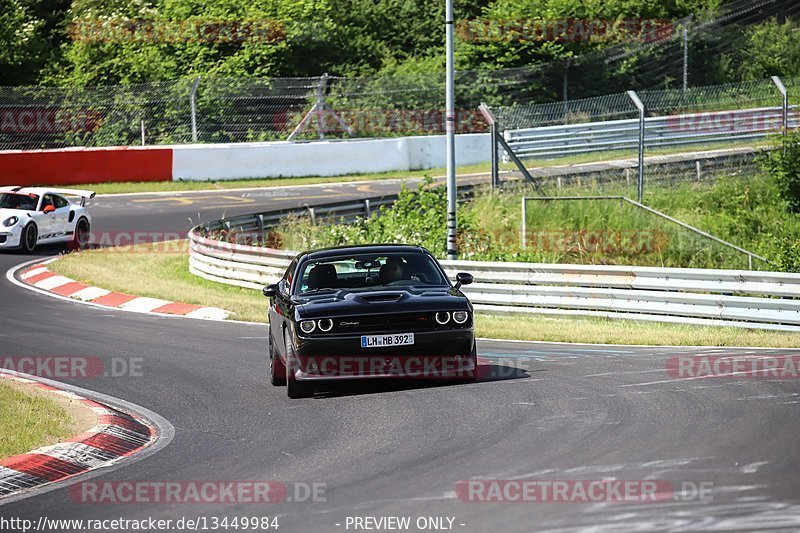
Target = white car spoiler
(84,195)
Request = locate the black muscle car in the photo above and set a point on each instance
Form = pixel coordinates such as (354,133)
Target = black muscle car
(366,312)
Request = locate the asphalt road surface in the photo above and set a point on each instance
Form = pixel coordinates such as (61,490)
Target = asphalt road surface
(539,411)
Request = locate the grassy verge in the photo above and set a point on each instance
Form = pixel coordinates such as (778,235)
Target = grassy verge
(159,271)
(29,420)
(145,272)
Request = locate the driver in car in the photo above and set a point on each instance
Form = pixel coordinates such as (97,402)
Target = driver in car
(393,270)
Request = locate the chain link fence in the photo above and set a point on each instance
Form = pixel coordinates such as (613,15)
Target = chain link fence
(691,135)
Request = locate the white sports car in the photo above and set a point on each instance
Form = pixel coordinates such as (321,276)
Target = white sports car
(42,215)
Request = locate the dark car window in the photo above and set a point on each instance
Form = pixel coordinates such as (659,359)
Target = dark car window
(60,202)
(48,200)
(25,202)
(370,272)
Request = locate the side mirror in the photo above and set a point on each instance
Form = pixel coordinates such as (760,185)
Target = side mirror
(462,278)
(270,291)
(48,209)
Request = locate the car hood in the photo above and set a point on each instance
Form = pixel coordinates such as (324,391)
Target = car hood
(345,302)
(6,213)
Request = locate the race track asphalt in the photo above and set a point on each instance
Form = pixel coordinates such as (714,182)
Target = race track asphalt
(540,411)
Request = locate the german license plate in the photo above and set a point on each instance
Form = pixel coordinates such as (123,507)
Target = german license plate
(395,339)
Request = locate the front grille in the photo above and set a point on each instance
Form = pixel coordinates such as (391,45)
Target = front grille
(391,322)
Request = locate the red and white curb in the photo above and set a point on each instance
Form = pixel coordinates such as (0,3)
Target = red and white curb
(42,278)
(116,436)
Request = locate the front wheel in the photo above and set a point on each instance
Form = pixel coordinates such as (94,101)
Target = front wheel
(29,238)
(294,388)
(277,370)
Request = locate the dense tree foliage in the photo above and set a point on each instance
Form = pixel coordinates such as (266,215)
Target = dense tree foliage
(90,42)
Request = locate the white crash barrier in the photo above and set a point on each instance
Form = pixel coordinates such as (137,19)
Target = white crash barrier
(738,298)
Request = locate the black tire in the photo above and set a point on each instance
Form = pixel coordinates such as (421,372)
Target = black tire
(80,238)
(29,238)
(277,370)
(294,388)
(473,375)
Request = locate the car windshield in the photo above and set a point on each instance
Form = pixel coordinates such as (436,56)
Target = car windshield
(370,272)
(25,202)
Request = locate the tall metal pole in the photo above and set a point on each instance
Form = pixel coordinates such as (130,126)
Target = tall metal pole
(450,119)
(685,58)
(640,106)
(193,108)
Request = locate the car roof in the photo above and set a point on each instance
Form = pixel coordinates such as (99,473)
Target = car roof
(361,249)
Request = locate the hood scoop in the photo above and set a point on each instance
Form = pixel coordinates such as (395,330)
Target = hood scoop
(382,297)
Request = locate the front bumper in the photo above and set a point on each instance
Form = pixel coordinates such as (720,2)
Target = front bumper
(439,354)
(10,237)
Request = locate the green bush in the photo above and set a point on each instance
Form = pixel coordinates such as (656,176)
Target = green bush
(783,164)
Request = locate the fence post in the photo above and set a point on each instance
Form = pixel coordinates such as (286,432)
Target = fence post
(142,132)
(785,104)
(320,105)
(194,108)
(686,53)
(640,106)
(523,237)
(489,116)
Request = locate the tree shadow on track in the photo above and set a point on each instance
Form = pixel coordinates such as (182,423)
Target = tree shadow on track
(487,372)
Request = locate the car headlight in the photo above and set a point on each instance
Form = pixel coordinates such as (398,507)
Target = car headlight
(459,317)
(442,317)
(307,326)
(325,325)
(10,221)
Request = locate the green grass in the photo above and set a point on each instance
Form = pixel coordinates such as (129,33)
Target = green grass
(159,271)
(747,211)
(29,421)
(166,276)
(607,331)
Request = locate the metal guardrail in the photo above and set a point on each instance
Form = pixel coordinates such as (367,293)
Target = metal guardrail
(738,298)
(660,132)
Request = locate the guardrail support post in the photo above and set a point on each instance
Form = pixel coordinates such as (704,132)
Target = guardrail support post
(785,104)
(640,106)
(313,214)
(524,225)
(194,108)
(261,227)
(367,210)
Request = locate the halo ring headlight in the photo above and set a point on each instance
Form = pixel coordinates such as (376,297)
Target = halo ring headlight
(325,324)
(308,326)
(459,317)
(442,317)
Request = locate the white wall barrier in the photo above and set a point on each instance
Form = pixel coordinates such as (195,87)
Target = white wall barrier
(737,298)
(322,158)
